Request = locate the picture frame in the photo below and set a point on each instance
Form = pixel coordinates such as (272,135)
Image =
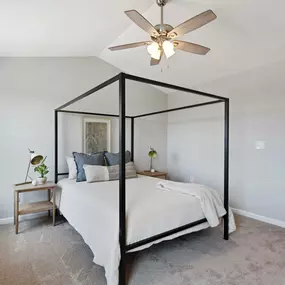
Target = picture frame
(96,134)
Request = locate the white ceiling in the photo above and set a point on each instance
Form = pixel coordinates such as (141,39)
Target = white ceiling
(246,34)
(62,27)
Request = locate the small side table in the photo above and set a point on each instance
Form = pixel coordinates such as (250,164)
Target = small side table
(36,206)
(157,174)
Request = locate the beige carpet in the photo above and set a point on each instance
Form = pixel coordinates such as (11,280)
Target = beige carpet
(46,255)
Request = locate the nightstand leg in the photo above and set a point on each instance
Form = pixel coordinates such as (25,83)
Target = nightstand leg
(14,208)
(54,207)
(17,213)
(49,196)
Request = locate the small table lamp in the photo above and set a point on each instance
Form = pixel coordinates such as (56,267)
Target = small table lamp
(152,154)
(35,159)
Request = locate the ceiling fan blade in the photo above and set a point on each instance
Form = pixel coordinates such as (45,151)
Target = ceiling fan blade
(132,45)
(142,22)
(190,47)
(192,24)
(154,61)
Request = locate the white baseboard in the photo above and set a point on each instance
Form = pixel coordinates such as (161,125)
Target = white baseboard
(10,220)
(267,220)
(259,218)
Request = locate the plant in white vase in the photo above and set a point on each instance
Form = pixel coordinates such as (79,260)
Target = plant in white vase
(42,169)
(152,154)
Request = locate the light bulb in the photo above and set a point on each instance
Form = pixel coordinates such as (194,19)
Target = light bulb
(168,48)
(156,54)
(153,48)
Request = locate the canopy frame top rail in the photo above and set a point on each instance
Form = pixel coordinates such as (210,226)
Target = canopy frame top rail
(116,78)
(121,78)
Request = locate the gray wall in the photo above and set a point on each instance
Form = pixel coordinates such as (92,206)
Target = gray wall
(30,90)
(257,113)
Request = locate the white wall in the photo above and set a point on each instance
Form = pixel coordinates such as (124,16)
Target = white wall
(257,113)
(30,90)
(148,132)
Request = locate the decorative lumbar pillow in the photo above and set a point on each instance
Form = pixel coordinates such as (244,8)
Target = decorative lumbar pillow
(96,173)
(131,171)
(114,158)
(90,159)
(72,170)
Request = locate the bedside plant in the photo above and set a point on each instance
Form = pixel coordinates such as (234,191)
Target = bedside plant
(42,169)
(152,154)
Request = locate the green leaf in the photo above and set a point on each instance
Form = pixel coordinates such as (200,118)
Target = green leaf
(42,169)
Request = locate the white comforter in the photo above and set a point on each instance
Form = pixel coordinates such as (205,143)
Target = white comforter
(211,202)
(92,209)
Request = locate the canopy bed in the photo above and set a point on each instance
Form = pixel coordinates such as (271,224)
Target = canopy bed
(130,233)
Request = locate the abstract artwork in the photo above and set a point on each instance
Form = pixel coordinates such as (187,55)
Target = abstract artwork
(96,135)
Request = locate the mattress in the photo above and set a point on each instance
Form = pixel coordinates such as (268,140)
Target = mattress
(93,210)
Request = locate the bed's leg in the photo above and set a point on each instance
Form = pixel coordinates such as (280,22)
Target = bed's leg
(226,226)
(122,269)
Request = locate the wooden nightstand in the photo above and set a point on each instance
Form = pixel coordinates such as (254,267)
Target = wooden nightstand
(36,206)
(157,174)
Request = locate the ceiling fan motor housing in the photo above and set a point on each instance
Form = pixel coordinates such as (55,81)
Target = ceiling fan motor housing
(163,30)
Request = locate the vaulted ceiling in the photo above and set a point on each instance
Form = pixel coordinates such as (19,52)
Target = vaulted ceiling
(246,34)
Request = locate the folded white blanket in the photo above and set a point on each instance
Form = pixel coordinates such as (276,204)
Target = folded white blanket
(211,201)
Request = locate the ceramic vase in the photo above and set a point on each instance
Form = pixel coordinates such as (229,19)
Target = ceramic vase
(41,180)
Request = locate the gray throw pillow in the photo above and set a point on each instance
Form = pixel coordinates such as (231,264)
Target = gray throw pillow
(114,158)
(90,159)
(131,171)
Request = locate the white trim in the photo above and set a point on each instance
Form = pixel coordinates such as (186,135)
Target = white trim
(267,220)
(10,220)
(6,221)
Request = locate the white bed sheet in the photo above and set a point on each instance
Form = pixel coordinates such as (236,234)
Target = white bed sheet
(93,210)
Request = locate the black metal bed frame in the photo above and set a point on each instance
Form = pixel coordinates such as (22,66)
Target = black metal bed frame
(122,77)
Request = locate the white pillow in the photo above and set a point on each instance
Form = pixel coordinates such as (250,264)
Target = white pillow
(72,169)
(96,173)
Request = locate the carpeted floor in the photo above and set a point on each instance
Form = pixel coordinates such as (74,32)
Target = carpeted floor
(46,255)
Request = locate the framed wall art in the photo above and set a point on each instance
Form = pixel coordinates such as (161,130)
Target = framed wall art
(96,135)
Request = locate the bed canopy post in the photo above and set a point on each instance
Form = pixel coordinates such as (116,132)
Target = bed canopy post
(122,181)
(226,168)
(122,148)
(55,146)
(132,138)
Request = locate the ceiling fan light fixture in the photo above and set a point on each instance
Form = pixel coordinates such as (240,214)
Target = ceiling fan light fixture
(156,54)
(168,48)
(153,48)
(162,35)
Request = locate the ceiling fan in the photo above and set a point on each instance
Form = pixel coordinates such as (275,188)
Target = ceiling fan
(163,36)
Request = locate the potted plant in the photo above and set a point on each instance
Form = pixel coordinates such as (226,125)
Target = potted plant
(42,169)
(152,154)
